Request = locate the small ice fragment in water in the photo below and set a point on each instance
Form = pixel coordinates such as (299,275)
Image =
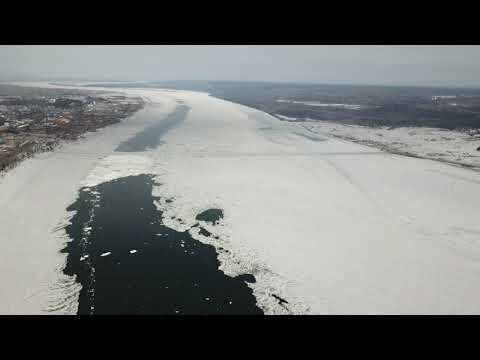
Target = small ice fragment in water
(207,299)
(106,253)
(133,251)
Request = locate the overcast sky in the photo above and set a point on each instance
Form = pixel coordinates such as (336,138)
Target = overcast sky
(386,65)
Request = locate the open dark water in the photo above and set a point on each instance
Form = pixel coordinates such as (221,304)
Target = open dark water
(129,262)
(210,215)
(150,137)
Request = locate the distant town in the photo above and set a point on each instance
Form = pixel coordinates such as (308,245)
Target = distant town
(37,122)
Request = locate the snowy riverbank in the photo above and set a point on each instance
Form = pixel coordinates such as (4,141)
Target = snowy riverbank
(455,147)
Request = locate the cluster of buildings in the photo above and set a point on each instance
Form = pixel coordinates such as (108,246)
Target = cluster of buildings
(32,124)
(17,113)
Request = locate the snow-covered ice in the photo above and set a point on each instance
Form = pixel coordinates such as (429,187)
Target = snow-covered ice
(347,228)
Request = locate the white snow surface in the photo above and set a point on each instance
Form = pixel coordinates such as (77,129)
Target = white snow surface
(331,226)
(320,104)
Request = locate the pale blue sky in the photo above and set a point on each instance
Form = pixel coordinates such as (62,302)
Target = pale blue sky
(400,65)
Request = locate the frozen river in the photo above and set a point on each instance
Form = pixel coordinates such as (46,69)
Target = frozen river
(311,223)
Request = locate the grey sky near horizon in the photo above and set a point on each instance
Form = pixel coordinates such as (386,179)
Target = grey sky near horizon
(451,65)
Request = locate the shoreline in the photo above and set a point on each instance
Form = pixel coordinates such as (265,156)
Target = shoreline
(17,146)
(388,150)
(412,142)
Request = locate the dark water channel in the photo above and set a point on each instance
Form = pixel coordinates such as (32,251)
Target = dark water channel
(129,262)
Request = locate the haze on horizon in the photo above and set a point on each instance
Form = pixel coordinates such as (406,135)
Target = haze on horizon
(449,66)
